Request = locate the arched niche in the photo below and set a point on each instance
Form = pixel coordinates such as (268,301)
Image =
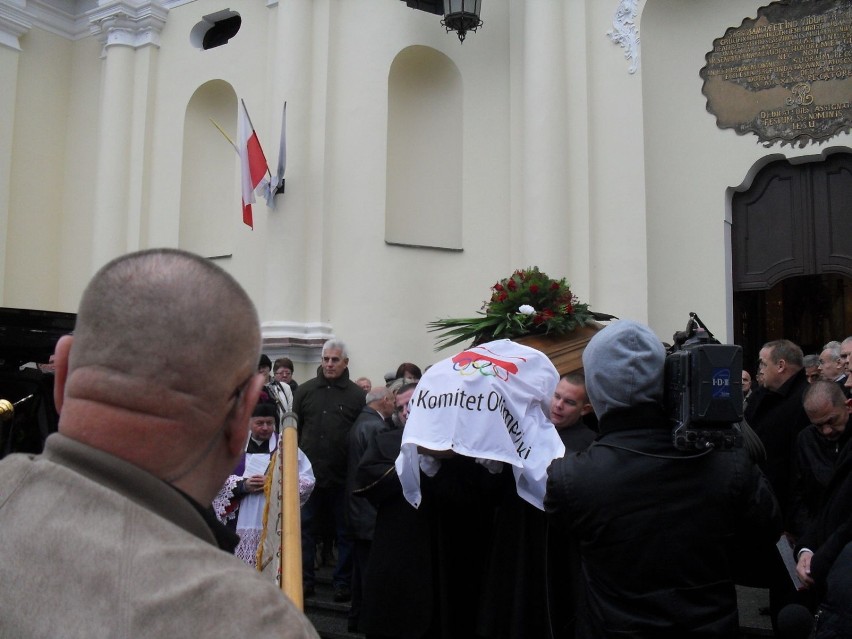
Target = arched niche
(210,199)
(425,150)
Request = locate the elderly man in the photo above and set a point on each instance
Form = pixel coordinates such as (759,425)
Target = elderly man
(327,406)
(654,537)
(375,418)
(811,364)
(110,532)
(831,366)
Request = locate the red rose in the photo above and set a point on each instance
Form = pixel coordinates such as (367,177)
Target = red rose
(512,286)
(538,319)
(502,297)
(498,286)
(533,288)
(554,286)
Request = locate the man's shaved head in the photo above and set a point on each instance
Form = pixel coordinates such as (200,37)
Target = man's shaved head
(161,370)
(169,316)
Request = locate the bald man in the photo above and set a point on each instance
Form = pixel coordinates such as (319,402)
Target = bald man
(109,532)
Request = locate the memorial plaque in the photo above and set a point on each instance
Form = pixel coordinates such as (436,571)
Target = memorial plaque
(786,75)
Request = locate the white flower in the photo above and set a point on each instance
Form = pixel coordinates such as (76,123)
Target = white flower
(526,309)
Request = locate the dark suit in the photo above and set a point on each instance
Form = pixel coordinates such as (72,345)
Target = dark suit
(777,417)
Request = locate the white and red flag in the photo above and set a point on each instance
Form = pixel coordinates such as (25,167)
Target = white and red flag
(252,161)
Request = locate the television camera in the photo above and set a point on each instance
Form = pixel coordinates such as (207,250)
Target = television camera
(703,389)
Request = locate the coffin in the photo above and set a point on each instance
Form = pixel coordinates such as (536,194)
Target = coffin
(565,351)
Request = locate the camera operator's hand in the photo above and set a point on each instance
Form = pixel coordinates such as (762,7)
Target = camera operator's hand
(803,568)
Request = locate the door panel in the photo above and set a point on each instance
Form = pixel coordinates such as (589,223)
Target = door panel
(791,247)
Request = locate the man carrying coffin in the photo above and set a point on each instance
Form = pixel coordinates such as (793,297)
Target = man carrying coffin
(477,433)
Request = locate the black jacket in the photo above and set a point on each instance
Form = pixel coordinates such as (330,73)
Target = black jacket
(655,528)
(326,411)
(360,513)
(777,417)
(428,565)
(832,529)
(814,465)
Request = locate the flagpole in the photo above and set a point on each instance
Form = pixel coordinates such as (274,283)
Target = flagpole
(222,131)
(282,152)
(291,517)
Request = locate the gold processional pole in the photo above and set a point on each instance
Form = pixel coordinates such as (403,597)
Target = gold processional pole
(291,525)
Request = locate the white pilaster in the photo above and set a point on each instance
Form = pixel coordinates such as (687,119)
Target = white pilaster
(124,27)
(545,166)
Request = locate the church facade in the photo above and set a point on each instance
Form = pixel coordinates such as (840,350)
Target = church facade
(572,135)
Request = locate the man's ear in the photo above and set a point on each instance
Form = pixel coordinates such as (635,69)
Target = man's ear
(587,408)
(61,355)
(849,406)
(238,429)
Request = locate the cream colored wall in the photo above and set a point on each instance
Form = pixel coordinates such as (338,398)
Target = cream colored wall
(617,181)
(616,173)
(78,177)
(9,80)
(692,165)
(32,241)
(531,191)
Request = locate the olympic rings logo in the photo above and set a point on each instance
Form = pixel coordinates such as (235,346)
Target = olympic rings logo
(471,363)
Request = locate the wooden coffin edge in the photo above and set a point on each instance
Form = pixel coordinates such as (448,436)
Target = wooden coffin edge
(564,351)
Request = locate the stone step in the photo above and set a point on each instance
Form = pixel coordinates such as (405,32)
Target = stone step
(330,618)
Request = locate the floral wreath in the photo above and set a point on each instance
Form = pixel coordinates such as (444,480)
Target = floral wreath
(528,302)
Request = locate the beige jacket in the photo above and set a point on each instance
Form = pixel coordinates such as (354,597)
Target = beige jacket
(91,546)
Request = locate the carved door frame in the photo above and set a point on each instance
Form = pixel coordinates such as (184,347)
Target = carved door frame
(791,254)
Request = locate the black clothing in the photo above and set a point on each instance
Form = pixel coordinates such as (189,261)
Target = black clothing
(255,448)
(427,565)
(655,527)
(577,437)
(814,465)
(361,514)
(834,619)
(226,538)
(326,411)
(832,529)
(777,417)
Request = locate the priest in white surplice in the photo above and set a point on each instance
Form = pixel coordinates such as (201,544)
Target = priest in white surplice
(241,501)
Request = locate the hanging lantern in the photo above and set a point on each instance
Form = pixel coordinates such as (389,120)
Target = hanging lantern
(462,16)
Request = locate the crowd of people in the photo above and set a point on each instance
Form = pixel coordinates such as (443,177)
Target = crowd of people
(575,517)
(800,409)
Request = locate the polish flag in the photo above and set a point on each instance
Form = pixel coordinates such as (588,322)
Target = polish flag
(252,161)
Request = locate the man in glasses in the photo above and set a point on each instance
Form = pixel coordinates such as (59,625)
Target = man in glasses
(327,406)
(110,531)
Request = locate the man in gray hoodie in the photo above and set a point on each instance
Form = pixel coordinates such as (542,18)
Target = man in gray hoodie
(654,525)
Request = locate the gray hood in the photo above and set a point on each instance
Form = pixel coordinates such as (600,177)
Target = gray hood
(624,364)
